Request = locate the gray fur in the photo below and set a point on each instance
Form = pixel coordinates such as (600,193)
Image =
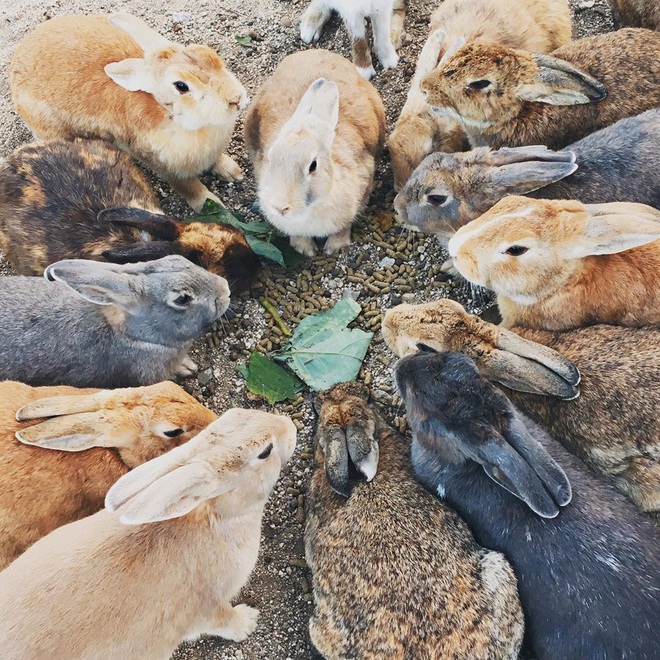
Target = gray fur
(54,334)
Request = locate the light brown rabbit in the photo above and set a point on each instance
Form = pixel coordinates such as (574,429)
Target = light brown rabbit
(636,13)
(176,543)
(314,132)
(100,435)
(539,26)
(509,98)
(557,264)
(396,573)
(612,425)
(171,106)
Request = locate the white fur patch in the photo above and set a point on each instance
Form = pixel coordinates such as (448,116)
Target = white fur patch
(369,465)
(494,571)
(440,490)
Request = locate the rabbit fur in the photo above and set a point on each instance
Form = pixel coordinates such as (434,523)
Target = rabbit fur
(461,599)
(170,106)
(91,324)
(587,562)
(636,13)
(118,583)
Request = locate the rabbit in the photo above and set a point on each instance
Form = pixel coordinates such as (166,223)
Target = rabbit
(92,324)
(636,13)
(86,199)
(457,599)
(100,435)
(314,147)
(557,264)
(614,164)
(612,425)
(587,562)
(177,541)
(510,98)
(170,106)
(388,31)
(531,25)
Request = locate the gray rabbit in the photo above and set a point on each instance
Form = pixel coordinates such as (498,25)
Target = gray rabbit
(91,324)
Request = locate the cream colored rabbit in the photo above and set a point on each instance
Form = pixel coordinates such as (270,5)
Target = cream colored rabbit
(176,543)
(171,106)
(557,264)
(314,132)
(99,434)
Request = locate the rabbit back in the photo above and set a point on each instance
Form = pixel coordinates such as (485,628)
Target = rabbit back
(636,13)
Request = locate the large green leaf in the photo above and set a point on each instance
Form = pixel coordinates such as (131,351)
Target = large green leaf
(265,249)
(269,380)
(324,351)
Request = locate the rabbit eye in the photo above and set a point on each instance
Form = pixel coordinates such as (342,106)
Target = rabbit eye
(174,433)
(181,87)
(516,250)
(183,299)
(479,84)
(436,200)
(266,452)
(312,167)
(425,348)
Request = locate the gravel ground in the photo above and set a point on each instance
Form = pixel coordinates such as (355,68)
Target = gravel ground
(383,267)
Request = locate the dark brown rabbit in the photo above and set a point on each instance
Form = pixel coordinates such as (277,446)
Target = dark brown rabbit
(636,13)
(86,199)
(396,574)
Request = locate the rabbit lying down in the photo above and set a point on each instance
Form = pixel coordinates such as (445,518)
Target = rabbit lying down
(587,562)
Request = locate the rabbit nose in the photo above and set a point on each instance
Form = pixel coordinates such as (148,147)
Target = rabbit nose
(282,210)
(223,288)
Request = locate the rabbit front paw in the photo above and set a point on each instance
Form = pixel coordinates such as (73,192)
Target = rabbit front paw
(228,169)
(186,368)
(242,624)
(337,241)
(389,60)
(313,22)
(303,244)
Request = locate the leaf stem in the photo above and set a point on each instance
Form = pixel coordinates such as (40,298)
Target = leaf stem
(270,308)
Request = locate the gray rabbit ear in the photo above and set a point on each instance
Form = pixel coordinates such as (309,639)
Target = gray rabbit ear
(522,178)
(335,451)
(96,282)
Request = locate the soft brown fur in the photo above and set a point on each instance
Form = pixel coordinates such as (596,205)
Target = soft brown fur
(563,281)
(51,194)
(43,489)
(540,26)
(612,425)
(397,574)
(61,90)
(626,63)
(636,13)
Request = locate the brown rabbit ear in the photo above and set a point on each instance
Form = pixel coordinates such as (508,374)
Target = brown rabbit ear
(136,252)
(559,83)
(68,433)
(64,405)
(157,225)
(333,443)
(452,48)
(139,31)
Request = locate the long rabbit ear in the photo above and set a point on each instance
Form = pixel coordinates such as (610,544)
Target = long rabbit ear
(157,225)
(93,281)
(452,49)
(65,405)
(68,433)
(321,101)
(333,444)
(145,37)
(132,74)
(530,153)
(363,447)
(137,252)
(611,230)
(522,178)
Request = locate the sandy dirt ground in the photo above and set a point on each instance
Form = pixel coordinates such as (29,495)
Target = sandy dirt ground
(280,586)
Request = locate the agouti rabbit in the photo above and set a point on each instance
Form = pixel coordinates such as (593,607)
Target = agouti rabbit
(176,543)
(86,199)
(92,324)
(171,106)
(636,13)
(396,574)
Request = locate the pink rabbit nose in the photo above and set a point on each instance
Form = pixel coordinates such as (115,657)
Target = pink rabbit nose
(282,210)
(235,103)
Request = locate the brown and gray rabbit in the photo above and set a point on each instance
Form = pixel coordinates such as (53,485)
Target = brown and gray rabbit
(396,574)
(636,13)
(87,199)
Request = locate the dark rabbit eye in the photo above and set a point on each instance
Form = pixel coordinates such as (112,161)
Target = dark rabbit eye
(436,200)
(312,167)
(181,87)
(425,348)
(479,84)
(174,433)
(183,300)
(516,250)
(266,452)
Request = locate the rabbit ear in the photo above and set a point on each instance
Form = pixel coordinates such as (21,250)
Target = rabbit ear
(321,100)
(94,281)
(362,447)
(559,83)
(67,433)
(335,451)
(611,230)
(65,405)
(530,153)
(452,48)
(136,252)
(132,74)
(429,57)
(156,224)
(522,178)
(139,31)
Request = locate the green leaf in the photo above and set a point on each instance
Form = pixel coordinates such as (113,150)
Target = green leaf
(269,380)
(265,249)
(292,258)
(244,41)
(323,351)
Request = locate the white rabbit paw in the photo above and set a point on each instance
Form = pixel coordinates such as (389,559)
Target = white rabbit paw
(389,60)
(366,71)
(242,624)
(186,368)
(228,169)
(337,241)
(312,23)
(303,244)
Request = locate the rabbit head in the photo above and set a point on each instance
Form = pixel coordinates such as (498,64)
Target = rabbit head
(169,301)
(458,414)
(448,190)
(500,355)
(486,85)
(298,166)
(527,249)
(235,461)
(190,82)
(141,423)
(220,249)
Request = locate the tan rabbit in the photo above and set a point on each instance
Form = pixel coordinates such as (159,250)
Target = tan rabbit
(176,543)
(314,132)
(612,425)
(534,25)
(556,264)
(171,106)
(508,98)
(101,435)
(396,574)
(636,13)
